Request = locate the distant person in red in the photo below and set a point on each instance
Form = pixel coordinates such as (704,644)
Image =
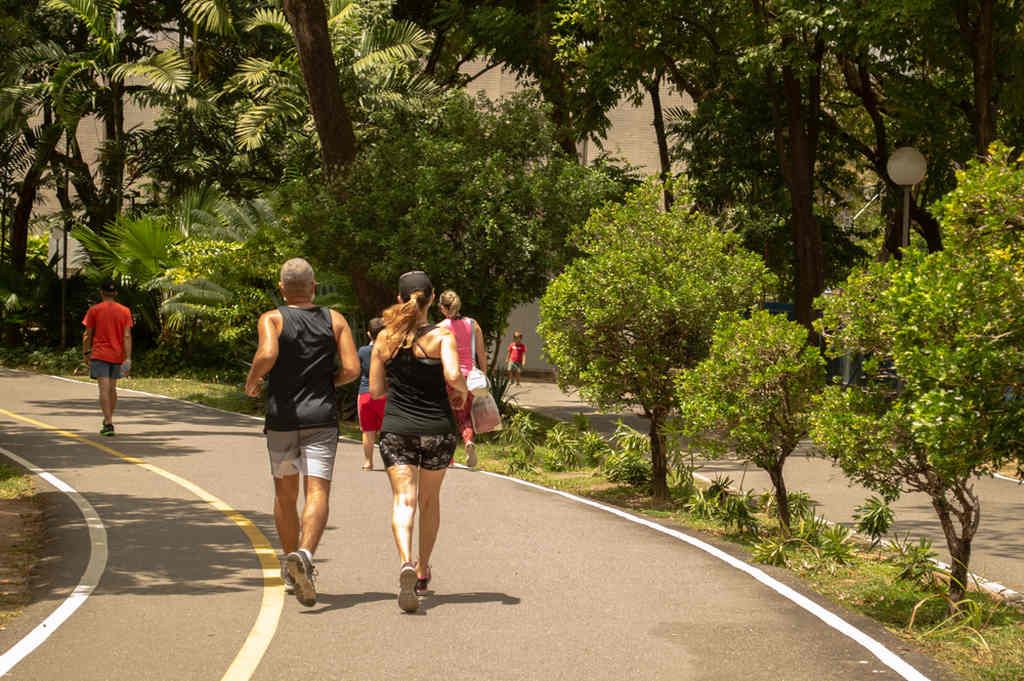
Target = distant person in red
(107,346)
(516,357)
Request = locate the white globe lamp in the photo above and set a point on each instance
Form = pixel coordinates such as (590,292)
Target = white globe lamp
(906,167)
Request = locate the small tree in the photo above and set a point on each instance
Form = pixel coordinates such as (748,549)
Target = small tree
(620,322)
(753,394)
(939,401)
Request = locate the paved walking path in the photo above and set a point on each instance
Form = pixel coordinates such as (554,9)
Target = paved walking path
(528,585)
(998,552)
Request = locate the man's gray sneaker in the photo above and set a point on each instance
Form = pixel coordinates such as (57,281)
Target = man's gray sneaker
(302,572)
(289,583)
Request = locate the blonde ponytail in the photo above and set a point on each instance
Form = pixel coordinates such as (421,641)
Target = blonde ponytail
(451,302)
(400,321)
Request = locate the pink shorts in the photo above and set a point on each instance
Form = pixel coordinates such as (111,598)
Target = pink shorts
(371,412)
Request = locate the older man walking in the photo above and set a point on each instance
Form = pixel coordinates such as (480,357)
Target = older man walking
(298,344)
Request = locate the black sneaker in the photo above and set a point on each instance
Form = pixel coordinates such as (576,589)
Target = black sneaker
(107,429)
(407,598)
(422,584)
(302,572)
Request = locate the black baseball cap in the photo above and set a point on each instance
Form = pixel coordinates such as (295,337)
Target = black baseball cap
(417,280)
(108,286)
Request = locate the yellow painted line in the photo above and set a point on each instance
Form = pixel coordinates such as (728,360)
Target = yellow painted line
(256,643)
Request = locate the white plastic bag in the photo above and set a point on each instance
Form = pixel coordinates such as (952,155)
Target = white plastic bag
(477,383)
(485,414)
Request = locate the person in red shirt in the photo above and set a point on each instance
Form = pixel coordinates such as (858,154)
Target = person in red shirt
(516,356)
(107,346)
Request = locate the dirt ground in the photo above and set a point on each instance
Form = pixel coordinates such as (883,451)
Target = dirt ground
(21,531)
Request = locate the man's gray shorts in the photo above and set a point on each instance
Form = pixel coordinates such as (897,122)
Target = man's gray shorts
(309,451)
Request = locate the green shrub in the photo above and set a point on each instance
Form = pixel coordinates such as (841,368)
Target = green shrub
(703,505)
(719,487)
(836,544)
(916,561)
(874,518)
(627,466)
(773,551)
(737,511)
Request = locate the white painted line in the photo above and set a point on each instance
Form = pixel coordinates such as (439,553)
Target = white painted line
(90,578)
(886,656)
(1008,478)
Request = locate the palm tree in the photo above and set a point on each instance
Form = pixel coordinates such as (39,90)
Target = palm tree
(378,60)
(116,62)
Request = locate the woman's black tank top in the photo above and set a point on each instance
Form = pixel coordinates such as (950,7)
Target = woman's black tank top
(417,399)
(300,391)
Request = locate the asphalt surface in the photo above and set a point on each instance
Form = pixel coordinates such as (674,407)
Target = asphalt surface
(998,546)
(527,584)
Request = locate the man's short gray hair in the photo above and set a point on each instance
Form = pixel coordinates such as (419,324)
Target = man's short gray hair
(296,275)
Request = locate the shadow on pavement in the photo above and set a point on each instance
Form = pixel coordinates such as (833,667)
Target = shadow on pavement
(161,546)
(428,602)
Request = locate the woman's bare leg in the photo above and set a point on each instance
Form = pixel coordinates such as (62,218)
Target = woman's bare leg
(403,512)
(430,516)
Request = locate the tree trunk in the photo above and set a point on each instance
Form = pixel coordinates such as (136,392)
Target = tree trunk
(659,458)
(781,497)
(959,520)
(308,19)
(654,91)
(798,159)
(984,76)
(27,194)
(372,296)
(113,156)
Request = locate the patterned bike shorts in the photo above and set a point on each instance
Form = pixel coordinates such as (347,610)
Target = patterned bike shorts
(431,452)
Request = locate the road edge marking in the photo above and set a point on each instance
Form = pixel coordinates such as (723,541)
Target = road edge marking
(876,648)
(272,602)
(87,583)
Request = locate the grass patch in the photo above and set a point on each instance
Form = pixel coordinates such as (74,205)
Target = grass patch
(226,396)
(14,482)
(21,532)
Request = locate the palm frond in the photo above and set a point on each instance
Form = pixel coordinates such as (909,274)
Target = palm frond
(268,18)
(339,10)
(133,250)
(398,42)
(252,126)
(166,72)
(196,208)
(213,16)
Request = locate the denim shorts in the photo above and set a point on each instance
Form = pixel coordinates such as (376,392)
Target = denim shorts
(309,451)
(101,369)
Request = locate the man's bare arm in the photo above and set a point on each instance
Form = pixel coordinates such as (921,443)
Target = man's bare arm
(349,369)
(266,353)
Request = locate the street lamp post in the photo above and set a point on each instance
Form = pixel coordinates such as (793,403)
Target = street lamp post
(906,167)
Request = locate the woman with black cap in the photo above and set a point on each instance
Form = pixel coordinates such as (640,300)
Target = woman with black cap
(412,361)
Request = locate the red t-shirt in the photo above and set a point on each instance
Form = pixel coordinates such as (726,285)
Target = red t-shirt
(516,352)
(108,320)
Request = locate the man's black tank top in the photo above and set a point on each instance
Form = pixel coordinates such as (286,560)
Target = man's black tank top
(417,399)
(300,391)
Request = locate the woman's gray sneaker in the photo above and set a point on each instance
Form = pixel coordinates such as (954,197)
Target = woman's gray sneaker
(407,598)
(302,572)
(471,454)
